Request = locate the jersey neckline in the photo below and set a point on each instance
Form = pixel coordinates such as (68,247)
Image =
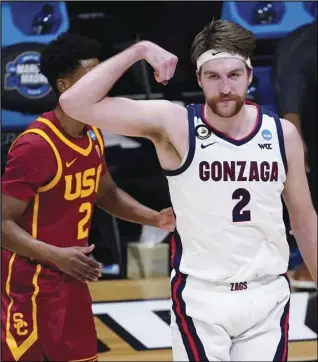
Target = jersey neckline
(51,121)
(241,141)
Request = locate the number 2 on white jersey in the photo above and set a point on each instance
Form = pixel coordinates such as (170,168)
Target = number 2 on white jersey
(238,214)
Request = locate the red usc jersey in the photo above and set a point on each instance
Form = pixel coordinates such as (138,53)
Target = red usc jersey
(61,210)
(45,311)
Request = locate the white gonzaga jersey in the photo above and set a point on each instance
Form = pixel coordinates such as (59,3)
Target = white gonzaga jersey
(227,200)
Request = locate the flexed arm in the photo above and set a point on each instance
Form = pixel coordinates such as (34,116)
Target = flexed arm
(88,101)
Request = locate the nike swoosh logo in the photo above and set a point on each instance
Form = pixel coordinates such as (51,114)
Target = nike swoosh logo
(69,164)
(209,144)
(216,53)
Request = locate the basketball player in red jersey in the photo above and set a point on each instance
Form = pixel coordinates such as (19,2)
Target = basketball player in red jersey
(54,175)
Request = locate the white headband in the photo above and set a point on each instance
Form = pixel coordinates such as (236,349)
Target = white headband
(217,54)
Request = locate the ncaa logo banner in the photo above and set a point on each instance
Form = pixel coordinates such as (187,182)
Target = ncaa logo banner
(23,74)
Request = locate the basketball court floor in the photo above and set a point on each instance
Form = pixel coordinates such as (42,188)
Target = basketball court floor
(132,321)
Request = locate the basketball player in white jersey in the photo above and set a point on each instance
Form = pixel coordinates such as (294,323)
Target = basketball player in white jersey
(228,163)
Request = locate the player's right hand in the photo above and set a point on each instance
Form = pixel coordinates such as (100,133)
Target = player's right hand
(74,262)
(163,62)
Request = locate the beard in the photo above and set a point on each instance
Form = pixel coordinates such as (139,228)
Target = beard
(226,106)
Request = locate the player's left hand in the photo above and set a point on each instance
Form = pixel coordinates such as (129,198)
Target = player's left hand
(166,219)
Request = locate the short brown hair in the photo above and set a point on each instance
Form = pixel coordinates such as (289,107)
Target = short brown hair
(223,35)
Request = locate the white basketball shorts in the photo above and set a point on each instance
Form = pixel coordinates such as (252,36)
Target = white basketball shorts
(230,321)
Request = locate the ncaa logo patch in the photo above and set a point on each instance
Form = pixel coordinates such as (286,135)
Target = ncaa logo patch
(92,135)
(267,135)
(202,132)
(23,74)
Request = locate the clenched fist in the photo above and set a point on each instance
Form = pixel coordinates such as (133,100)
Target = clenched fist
(163,62)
